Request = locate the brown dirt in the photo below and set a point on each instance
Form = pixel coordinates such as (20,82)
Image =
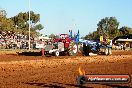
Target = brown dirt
(61,72)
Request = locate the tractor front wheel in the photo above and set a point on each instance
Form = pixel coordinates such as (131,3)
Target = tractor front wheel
(106,51)
(110,51)
(57,53)
(86,49)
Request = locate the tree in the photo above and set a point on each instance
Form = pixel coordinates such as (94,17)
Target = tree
(3,13)
(21,21)
(89,36)
(125,30)
(52,36)
(6,24)
(108,26)
(38,27)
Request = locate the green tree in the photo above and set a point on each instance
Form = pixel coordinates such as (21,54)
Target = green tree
(125,30)
(21,21)
(3,13)
(89,36)
(6,24)
(108,26)
(52,36)
(38,27)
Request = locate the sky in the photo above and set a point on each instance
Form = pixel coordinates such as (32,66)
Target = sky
(59,16)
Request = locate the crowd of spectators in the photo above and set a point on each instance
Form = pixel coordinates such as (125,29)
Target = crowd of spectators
(13,40)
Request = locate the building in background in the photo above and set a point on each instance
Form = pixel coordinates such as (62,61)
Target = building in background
(124,41)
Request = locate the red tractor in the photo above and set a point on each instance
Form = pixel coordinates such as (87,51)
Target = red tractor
(62,45)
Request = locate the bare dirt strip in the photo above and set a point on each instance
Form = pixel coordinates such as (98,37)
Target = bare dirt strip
(61,72)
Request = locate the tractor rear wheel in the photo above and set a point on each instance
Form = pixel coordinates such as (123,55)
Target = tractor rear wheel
(86,49)
(73,48)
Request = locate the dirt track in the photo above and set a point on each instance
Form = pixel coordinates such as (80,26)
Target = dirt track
(51,72)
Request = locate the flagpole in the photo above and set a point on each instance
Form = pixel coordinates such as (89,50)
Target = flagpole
(29,25)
